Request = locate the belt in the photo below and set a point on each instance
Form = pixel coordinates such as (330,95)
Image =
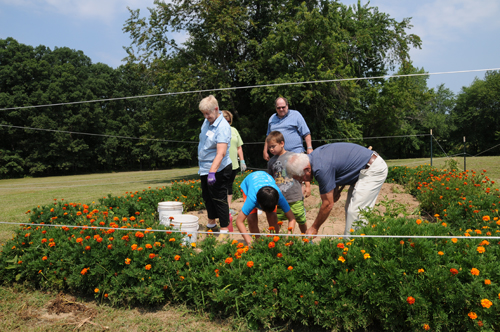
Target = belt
(372,159)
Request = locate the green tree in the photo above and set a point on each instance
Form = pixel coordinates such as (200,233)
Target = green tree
(240,43)
(476,114)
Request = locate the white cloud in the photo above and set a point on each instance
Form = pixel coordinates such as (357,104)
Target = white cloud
(105,11)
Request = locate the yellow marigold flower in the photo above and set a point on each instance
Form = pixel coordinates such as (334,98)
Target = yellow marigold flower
(342,259)
(486,303)
(454,240)
(366,256)
(486,218)
(362,251)
(193,244)
(440,253)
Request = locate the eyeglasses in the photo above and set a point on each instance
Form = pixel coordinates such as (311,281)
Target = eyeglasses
(280,107)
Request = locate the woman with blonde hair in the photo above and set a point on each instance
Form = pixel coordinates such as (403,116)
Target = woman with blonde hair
(215,164)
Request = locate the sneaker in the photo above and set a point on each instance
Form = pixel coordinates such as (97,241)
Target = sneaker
(222,237)
(214,229)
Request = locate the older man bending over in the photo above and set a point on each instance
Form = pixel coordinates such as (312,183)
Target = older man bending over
(339,164)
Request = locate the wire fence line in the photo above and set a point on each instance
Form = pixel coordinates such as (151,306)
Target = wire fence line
(247,87)
(259,234)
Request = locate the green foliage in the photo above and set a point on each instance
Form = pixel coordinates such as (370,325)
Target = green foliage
(402,283)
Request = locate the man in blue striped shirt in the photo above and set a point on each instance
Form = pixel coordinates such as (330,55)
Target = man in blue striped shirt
(294,128)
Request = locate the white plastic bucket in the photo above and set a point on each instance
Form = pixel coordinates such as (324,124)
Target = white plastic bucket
(183,222)
(169,208)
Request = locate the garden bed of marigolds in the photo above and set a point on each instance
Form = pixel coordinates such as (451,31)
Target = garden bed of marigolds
(116,250)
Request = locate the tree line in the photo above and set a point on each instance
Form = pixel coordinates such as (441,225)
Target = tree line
(233,44)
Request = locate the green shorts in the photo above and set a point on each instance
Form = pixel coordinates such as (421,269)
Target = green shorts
(298,210)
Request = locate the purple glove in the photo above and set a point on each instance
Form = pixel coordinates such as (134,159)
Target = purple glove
(211,178)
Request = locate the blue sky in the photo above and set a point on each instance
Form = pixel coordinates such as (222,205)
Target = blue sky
(457,35)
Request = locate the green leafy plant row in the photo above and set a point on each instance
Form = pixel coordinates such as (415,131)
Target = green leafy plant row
(400,283)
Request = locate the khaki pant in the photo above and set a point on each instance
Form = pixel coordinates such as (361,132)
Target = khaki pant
(364,193)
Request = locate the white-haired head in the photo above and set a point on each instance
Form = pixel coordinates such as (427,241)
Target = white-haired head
(296,165)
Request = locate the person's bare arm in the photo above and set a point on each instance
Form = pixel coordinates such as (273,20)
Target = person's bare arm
(264,153)
(240,223)
(324,212)
(308,140)
(221,152)
(291,220)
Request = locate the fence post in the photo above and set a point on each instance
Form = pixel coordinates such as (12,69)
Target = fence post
(465,168)
(431,147)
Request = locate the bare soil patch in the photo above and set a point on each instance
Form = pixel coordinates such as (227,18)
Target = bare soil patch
(335,224)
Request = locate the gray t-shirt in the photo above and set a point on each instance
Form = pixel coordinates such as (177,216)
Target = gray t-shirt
(338,164)
(291,189)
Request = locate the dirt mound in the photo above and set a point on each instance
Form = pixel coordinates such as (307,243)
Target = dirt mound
(335,224)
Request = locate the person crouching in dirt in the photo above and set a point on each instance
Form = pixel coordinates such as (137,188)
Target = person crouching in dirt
(260,191)
(340,164)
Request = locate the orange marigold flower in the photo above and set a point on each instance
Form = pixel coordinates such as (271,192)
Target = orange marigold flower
(271,245)
(410,300)
(84,271)
(279,255)
(276,238)
(52,244)
(229,260)
(280,222)
(480,249)
(250,264)
(45,240)
(127,261)
(305,240)
(152,256)
(454,271)
(133,247)
(171,239)
(340,245)
(366,256)
(148,267)
(486,218)
(418,221)
(182,278)
(440,253)
(474,271)
(44,258)
(271,228)
(177,257)
(234,242)
(454,240)
(427,327)
(148,246)
(87,248)
(139,234)
(96,290)
(290,229)
(487,282)
(486,303)
(110,246)
(342,259)
(421,270)
(240,245)
(472,315)
(290,268)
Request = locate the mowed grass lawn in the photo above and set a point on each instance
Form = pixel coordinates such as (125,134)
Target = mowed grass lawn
(24,309)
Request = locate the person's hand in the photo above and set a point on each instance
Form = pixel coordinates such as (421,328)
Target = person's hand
(211,178)
(243,165)
(312,231)
(266,156)
(306,191)
(337,193)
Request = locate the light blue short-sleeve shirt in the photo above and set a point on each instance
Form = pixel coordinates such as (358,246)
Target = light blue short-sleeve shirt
(211,134)
(252,184)
(293,127)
